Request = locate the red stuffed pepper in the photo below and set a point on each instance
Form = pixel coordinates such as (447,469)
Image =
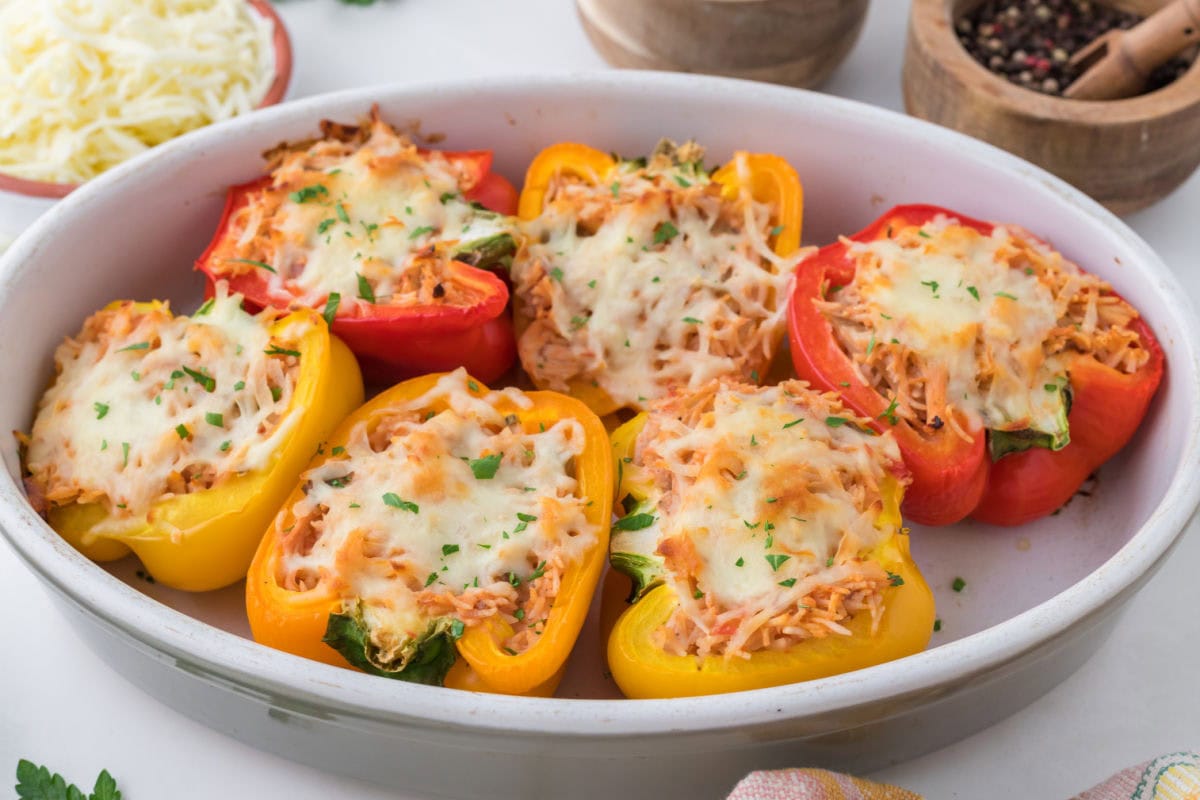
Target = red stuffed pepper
(392,243)
(1006,373)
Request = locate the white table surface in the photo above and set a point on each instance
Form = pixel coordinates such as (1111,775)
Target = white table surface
(61,706)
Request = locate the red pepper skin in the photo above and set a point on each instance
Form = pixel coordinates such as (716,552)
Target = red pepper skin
(952,478)
(391,343)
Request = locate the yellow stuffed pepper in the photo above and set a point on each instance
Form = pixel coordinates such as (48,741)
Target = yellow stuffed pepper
(762,535)
(636,275)
(178,438)
(447,535)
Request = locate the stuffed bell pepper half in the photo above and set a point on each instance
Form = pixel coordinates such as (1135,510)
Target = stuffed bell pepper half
(762,534)
(390,242)
(447,534)
(637,275)
(178,438)
(1006,373)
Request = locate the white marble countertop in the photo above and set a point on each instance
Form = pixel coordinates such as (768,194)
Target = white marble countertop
(63,707)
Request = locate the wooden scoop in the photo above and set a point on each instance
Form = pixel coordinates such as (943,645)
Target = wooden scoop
(1118,63)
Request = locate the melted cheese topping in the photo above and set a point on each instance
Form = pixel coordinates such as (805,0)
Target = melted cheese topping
(949,322)
(461,513)
(359,219)
(85,85)
(653,281)
(146,405)
(762,498)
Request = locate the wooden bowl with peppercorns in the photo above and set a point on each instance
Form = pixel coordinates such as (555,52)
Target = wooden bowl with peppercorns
(996,70)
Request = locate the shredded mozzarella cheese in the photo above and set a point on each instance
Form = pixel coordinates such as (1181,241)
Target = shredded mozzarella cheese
(87,84)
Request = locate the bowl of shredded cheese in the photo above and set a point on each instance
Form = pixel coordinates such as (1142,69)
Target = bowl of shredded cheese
(88,84)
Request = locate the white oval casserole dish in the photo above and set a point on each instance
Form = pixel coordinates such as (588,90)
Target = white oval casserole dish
(1040,599)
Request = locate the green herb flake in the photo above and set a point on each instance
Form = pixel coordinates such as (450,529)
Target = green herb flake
(101,410)
(933,286)
(251,262)
(697,594)
(789,583)
(894,579)
(776,560)
(325,225)
(365,292)
(973,292)
(276,393)
(138,346)
(829,561)
(433,576)
(419,232)
(793,422)
(449,549)
(616,190)
(206,307)
(871,344)
(331,306)
(337,451)
(924,235)
(1049,387)
(682,181)
(836,422)
(473,386)
(958,585)
(182,431)
(634,522)
(217,420)
(746,522)
(665,232)
(392,499)
(539,572)
(276,350)
(691,320)
(207,381)
(557,274)
(1006,296)
(754,375)
(342,215)
(937,625)
(225,445)
(124,454)
(485,468)
(889,413)
(741,562)
(526,517)
(308,193)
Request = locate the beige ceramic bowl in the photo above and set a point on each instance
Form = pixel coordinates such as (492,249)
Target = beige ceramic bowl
(795,42)
(1125,153)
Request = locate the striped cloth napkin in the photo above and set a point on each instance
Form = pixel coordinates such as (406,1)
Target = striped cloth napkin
(1171,777)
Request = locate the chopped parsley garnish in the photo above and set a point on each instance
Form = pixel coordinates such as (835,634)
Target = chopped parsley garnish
(207,381)
(933,286)
(937,625)
(772,499)
(473,386)
(252,262)
(958,585)
(871,344)
(615,188)
(457,628)
(746,522)
(889,413)
(741,562)
(1049,387)
(556,274)
(789,583)
(225,445)
(337,451)
(578,322)
(665,232)
(433,576)
(485,468)
(101,409)
(342,215)
(754,375)
(691,320)
(215,419)
(519,614)
(392,499)
(634,522)
(331,306)
(182,430)
(592,284)
(836,422)
(308,193)
(682,181)
(204,309)
(421,231)
(526,517)
(924,235)
(894,579)
(124,454)
(449,549)
(513,579)
(829,561)
(539,572)
(138,346)
(1005,295)
(776,560)
(697,594)
(973,292)
(273,350)
(276,393)
(793,422)
(365,292)
(325,224)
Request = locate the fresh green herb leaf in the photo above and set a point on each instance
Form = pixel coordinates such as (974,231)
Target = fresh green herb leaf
(124,454)
(894,579)
(616,190)
(331,306)
(836,422)
(933,285)
(741,562)
(138,346)
(829,561)
(691,320)
(325,225)
(276,350)
(871,344)
(251,262)
(365,292)
(776,560)
(634,522)
(526,517)
(182,431)
(207,381)
(392,499)
(937,625)
(308,193)
(889,413)
(665,232)
(433,576)
(556,274)
(206,307)
(276,393)
(793,422)
(973,292)
(225,445)
(449,549)
(215,419)
(419,232)
(682,181)
(473,386)
(539,572)
(485,468)
(924,235)
(778,229)
(697,594)
(519,613)
(1005,295)
(754,375)
(789,583)
(958,585)
(101,410)
(341,214)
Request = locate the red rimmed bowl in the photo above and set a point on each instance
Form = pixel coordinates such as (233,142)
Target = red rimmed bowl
(280,43)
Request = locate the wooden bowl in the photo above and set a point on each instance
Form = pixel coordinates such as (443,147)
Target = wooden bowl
(794,42)
(275,92)
(1126,154)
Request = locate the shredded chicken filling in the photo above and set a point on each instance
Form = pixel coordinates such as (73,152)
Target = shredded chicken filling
(650,280)
(991,348)
(460,512)
(768,503)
